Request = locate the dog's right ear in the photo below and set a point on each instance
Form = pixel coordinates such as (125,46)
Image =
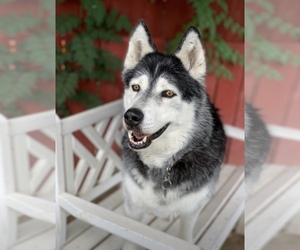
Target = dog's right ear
(140,44)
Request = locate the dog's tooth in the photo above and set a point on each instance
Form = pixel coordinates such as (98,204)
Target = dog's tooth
(131,139)
(144,139)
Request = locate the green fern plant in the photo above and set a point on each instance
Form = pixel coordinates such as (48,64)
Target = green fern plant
(261,51)
(80,59)
(207,20)
(25,62)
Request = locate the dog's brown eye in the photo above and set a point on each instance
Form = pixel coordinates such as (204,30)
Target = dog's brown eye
(135,87)
(168,94)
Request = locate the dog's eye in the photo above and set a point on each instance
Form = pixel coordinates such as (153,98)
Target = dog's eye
(168,94)
(135,87)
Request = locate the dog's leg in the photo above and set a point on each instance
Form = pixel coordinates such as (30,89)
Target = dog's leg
(188,219)
(136,215)
(187,223)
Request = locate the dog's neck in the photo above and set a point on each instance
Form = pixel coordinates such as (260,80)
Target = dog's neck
(156,158)
(162,154)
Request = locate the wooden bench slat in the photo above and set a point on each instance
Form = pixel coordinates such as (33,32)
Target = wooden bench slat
(216,204)
(32,206)
(45,240)
(78,227)
(256,203)
(268,173)
(120,225)
(224,222)
(268,222)
(31,228)
(86,118)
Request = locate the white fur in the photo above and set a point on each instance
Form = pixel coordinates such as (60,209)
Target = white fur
(147,201)
(158,112)
(139,46)
(192,56)
(131,97)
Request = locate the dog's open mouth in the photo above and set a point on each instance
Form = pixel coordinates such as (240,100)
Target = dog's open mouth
(139,141)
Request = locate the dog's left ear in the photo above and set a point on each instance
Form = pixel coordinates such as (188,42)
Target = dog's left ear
(140,44)
(191,53)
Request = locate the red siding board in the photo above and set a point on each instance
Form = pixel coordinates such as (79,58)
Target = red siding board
(239,122)
(228,94)
(287,153)
(272,151)
(293,118)
(211,83)
(250,86)
(236,156)
(273,95)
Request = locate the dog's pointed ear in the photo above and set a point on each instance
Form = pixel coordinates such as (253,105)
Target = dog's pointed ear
(140,44)
(191,53)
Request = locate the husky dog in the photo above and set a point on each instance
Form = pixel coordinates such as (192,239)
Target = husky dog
(175,141)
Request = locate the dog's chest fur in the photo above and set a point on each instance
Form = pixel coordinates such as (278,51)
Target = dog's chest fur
(190,178)
(150,200)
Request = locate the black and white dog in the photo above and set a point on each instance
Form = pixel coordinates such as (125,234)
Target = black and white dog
(175,141)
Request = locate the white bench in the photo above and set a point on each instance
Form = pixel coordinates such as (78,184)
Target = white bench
(88,212)
(27,177)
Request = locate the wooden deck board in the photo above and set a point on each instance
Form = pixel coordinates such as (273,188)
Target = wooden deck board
(270,192)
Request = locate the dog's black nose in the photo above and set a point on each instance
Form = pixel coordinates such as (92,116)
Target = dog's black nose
(133,117)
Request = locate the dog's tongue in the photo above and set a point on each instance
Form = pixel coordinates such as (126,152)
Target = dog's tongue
(138,135)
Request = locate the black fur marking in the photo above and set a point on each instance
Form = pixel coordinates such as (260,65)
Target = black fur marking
(258,140)
(157,65)
(190,29)
(142,22)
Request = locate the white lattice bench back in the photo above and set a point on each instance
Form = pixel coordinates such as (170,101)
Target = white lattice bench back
(27,158)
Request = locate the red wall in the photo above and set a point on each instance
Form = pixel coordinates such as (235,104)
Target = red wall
(279,100)
(29,7)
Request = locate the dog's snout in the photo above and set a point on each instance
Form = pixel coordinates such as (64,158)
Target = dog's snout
(133,117)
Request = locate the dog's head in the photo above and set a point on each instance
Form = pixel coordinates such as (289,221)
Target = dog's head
(161,90)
